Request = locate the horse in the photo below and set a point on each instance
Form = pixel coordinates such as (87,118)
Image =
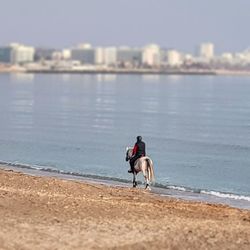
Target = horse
(144,165)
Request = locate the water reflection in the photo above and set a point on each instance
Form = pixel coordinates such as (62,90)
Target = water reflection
(149,77)
(21,108)
(104,105)
(66,77)
(175,78)
(22,77)
(106,77)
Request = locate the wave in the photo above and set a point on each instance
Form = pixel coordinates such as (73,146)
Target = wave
(121,180)
(58,171)
(226,195)
(207,192)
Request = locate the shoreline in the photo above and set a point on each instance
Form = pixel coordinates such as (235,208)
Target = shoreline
(164,191)
(206,72)
(51,213)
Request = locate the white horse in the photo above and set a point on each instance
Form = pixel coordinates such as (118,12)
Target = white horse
(144,165)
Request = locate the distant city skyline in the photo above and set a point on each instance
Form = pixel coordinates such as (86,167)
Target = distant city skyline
(171,24)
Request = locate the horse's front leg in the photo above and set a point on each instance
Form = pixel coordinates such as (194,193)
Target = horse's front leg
(134,180)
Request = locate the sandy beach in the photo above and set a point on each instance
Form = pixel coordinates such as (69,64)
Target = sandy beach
(50,213)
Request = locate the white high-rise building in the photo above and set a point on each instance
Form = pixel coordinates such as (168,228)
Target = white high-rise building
(66,53)
(174,58)
(207,50)
(151,55)
(21,53)
(110,55)
(99,55)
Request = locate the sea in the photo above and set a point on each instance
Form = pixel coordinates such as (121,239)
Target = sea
(196,130)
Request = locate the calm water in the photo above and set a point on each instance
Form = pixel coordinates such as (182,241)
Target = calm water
(196,127)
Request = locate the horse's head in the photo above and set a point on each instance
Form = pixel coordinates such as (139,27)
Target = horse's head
(129,152)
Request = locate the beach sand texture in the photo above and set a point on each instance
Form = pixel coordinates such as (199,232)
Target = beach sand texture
(50,213)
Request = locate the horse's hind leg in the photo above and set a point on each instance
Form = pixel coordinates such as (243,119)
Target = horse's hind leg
(134,184)
(147,184)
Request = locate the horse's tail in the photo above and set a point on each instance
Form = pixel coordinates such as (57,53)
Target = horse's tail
(150,168)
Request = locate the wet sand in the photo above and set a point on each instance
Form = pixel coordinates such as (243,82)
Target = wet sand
(50,213)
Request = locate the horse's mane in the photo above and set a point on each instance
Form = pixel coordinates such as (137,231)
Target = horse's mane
(129,148)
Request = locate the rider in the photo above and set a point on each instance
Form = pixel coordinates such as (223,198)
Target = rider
(139,150)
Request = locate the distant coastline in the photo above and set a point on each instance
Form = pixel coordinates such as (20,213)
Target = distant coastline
(127,71)
(19,69)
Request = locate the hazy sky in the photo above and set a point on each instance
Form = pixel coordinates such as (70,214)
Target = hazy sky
(180,24)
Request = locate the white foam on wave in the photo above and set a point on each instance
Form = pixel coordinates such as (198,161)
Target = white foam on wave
(224,195)
(28,166)
(213,193)
(177,188)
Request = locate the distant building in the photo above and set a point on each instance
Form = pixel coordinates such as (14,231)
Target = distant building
(99,56)
(133,56)
(206,50)
(174,58)
(187,59)
(5,54)
(22,54)
(163,57)
(227,57)
(84,53)
(110,55)
(246,54)
(66,54)
(43,54)
(151,55)
(16,54)
(57,56)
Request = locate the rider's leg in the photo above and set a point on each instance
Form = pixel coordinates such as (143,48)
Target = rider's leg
(132,163)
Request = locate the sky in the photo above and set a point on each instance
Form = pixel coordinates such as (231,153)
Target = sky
(179,24)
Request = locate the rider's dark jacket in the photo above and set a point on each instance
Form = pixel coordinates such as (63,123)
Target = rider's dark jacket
(139,149)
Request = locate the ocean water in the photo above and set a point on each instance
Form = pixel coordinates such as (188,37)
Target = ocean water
(196,127)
